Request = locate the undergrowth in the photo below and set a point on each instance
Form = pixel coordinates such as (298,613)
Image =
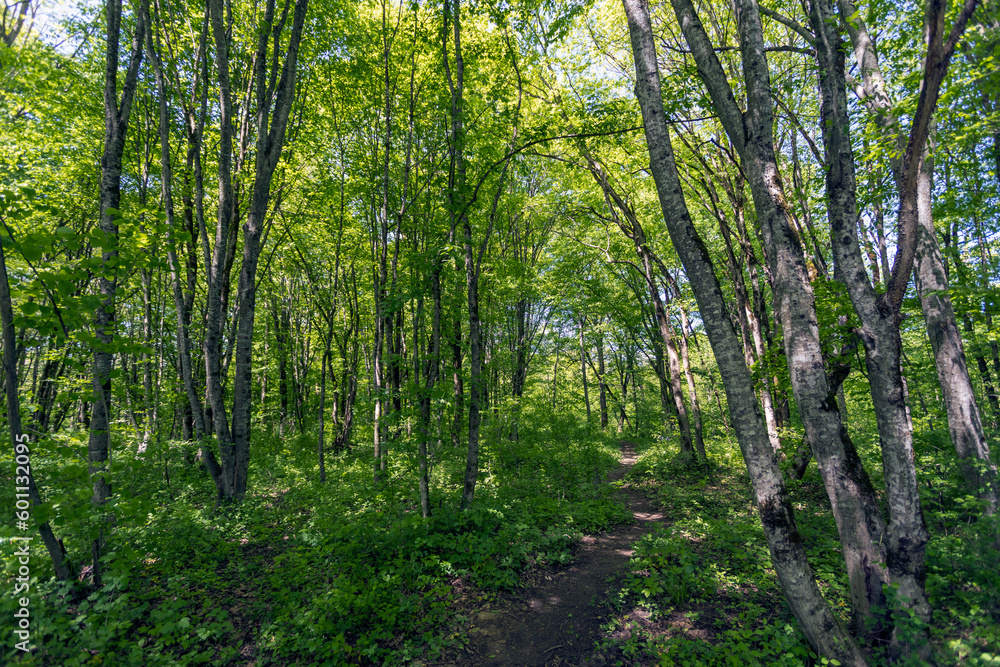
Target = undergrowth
(301,573)
(700,589)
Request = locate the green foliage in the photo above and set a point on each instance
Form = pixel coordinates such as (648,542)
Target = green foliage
(337,574)
(665,570)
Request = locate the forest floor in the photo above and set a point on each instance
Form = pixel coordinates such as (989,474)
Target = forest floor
(557,617)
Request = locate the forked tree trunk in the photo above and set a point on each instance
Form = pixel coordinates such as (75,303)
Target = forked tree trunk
(271,74)
(918,241)
(879,314)
(855,509)
(817,621)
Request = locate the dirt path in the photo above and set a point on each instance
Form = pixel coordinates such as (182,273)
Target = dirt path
(557,620)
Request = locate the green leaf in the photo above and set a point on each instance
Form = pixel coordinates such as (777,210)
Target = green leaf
(30,251)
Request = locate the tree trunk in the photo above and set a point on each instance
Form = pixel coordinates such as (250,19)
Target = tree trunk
(984,369)
(603,383)
(667,409)
(583,368)
(918,241)
(282,324)
(24,478)
(458,387)
(964,422)
(432,366)
(851,495)
(749,312)
(116,118)
(699,437)
(676,390)
(520,372)
(272,113)
(879,314)
(555,374)
(787,554)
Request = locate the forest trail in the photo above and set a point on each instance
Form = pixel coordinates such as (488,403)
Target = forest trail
(557,619)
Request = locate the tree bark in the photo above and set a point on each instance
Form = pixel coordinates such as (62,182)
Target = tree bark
(914,177)
(964,422)
(787,554)
(116,118)
(852,499)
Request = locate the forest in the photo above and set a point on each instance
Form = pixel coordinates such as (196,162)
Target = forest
(529,332)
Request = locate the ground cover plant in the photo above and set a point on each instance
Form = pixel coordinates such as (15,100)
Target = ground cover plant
(700,588)
(331,574)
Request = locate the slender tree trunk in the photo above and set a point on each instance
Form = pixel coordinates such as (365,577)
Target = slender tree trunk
(699,436)
(520,373)
(583,367)
(667,410)
(24,478)
(984,369)
(322,406)
(751,311)
(603,383)
(116,118)
(555,374)
(964,422)
(623,385)
(460,217)
(282,324)
(432,366)
(458,385)
(676,390)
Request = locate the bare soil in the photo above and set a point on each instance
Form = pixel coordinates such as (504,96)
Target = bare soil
(557,617)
